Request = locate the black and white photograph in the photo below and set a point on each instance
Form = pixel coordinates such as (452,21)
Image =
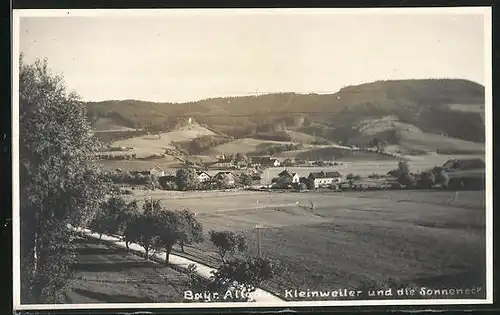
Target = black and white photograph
(187,158)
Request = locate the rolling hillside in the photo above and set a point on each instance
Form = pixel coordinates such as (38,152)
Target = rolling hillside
(410,115)
(148,145)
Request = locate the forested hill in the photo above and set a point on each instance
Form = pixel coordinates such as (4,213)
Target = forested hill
(453,107)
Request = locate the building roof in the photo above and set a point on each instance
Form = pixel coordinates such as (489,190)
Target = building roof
(325,174)
(285,173)
(224,173)
(202,172)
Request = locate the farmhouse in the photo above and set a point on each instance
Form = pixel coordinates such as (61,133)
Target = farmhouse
(290,177)
(229,176)
(203,177)
(324,179)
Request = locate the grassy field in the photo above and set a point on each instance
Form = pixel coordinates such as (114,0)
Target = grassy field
(166,163)
(434,239)
(429,142)
(365,168)
(243,146)
(151,144)
(104,274)
(410,138)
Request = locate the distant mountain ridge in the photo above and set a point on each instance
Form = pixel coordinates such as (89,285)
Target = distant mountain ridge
(446,107)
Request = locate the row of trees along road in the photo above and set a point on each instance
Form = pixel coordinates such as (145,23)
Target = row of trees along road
(156,228)
(62,184)
(60,181)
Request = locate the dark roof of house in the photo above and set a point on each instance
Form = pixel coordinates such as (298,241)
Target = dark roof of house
(223,173)
(202,172)
(167,178)
(285,173)
(325,174)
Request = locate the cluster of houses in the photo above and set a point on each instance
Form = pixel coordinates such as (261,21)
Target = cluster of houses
(284,179)
(207,177)
(315,179)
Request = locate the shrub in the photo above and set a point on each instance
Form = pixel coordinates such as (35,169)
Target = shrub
(426,180)
(186,179)
(243,275)
(169,185)
(440,176)
(406,180)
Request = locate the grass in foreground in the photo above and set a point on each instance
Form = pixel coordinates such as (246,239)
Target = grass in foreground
(104,274)
(350,241)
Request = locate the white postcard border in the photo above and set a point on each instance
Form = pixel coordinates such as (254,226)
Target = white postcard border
(485,11)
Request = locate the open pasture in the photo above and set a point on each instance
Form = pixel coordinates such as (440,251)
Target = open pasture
(148,145)
(350,240)
(365,168)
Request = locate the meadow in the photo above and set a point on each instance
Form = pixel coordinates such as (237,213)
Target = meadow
(434,239)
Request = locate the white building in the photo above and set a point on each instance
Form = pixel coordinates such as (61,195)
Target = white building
(325,179)
(203,177)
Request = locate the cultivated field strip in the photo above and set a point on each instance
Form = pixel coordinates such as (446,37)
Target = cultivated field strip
(351,239)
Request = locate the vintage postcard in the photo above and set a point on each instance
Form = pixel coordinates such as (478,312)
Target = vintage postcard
(252,157)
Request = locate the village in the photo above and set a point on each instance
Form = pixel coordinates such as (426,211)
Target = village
(249,173)
(269,173)
(194,170)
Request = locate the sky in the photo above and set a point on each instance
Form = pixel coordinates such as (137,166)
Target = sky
(188,57)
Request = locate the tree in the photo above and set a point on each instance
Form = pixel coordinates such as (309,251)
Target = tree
(98,224)
(426,180)
(141,231)
(186,179)
(247,274)
(222,182)
(167,228)
(245,180)
(60,182)
(190,230)
(403,167)
(114,207)
(227,242)
(127,216)
(440,175)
